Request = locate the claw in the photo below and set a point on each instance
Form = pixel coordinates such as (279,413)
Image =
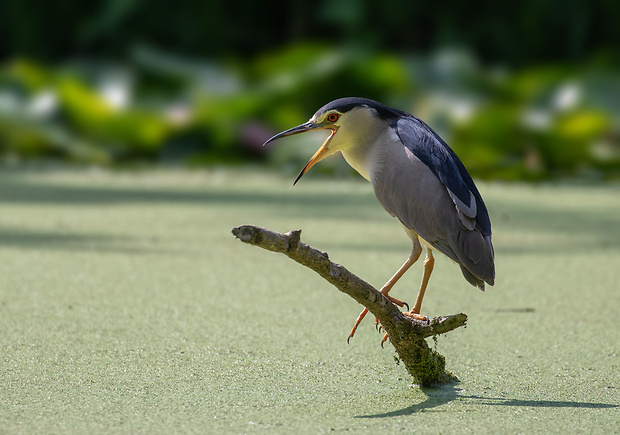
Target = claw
(352,333)
(406,304)
(395,301)
(385,337)
(357,323)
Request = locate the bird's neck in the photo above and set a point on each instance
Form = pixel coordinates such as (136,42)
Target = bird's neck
(367,156)
(360,139)
(357,160)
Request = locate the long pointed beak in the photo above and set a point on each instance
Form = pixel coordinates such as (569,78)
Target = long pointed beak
(318,156)
(308,126)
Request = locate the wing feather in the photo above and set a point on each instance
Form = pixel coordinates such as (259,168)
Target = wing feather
(429,147)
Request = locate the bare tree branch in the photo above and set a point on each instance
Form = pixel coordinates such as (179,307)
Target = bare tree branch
(406,334)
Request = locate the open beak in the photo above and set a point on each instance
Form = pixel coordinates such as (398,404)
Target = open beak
(322,152)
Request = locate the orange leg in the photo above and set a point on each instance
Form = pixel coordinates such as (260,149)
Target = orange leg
(429,263)
(415,254)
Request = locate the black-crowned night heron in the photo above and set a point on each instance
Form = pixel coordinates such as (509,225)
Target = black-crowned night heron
(418,179)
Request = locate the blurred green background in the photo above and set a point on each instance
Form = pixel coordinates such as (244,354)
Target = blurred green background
(523,90)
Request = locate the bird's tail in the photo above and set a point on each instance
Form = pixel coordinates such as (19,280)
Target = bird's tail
(477,258)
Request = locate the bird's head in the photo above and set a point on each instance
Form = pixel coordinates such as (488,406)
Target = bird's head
(344,117)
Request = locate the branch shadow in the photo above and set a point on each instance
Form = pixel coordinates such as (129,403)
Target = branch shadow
(499,401)
(445,394)
(435,397)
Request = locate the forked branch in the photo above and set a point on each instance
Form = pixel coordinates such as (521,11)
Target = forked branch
(407,335)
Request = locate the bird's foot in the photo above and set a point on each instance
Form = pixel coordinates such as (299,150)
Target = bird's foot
(385,337)
(397,301)
(365,311)
(417,316)
(357,323)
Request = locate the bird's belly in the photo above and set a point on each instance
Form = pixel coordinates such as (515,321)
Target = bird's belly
(415,237)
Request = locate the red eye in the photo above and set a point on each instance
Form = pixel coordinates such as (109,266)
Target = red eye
(332,117)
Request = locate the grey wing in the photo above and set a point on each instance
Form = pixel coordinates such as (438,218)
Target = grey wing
(421,184)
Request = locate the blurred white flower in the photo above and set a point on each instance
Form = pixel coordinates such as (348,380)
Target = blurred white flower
(115,93)
(43,104)
(567,97)
(116,88)
(536,119)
